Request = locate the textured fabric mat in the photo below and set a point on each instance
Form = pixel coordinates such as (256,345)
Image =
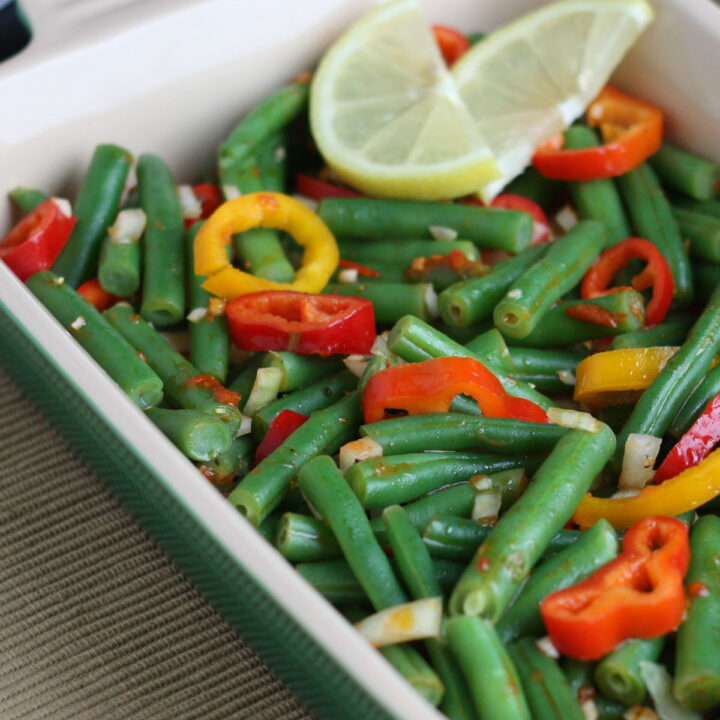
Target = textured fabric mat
(95,621)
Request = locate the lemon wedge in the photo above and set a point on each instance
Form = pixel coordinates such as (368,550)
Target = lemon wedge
(530,79)
(386,114)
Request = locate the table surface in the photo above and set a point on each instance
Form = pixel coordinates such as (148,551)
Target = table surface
(95,621)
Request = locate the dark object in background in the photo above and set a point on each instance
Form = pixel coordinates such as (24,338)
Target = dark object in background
(14,30)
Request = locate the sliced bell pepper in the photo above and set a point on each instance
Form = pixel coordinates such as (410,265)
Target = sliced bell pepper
(639,594)
(285,423)
(688,490)
(317,190)
(431,385)
(34,243)
(302,322)
(694,445)
(631,130)
(618,376)
(270,210)
(656,274)
(96,295)
(452,43)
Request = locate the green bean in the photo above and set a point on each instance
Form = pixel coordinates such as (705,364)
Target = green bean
(475,37)
(702,231)
(324,486)
(594,548)
(99,338)
(547,690)
(300,370)
(307,400)
(467,303)
(271,155)
(697,663)
(625,306)
(262,489)
(119,265)
(411,665)
(534,186)
(618,674)
(268,117)
(372,219)
(401,253)
(696,403)
(234,463)
(548,370)
(27,199)
(545,282)
(414,340)
(244,382)
(301,538)
(707,207)
(457,538)
(706,277)
(375,364)
(444,272)
(520,537)
(597,199)
(196,434)
(491,675)
(95,209)
(688,173)
(491,347)
(671,332)
(209,336)
(652,219)
(263,255)
(176,373)
(452,431)
(402,478)
(660,403)
(163,298)
(334,580)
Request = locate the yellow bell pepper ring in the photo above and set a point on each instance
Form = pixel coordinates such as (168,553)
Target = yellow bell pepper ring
(619,376)
(686,491)
(268,210)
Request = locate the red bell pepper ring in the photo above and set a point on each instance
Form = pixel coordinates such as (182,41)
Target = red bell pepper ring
(452,43)
(695,445)
(96,295)
(657,274)
(361,269)
(305,323)
(34,243)
(640,594)
(631,130)
(591,314)
(431,385)
(285,424)
(210,199)
(317,190)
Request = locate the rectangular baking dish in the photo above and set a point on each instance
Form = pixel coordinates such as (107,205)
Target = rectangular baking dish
(173,78)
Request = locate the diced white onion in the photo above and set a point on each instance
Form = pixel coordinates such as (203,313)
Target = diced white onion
(481,482)
(230,192)
(78,322)
(348,276)
(444,234)
(63,205)
(566,377)
(515,294)
(196,314)
(356,364)
(381,349)
(191,205)
(265,389)
(546,647)
(567,218)
(357,450)
(589,709)
(486,507)
(280,154)
(659,684)
(60,280)
(641,451)
(307,202)
(403,623)
(539,229)
(431,302)
(129,225)
(245,426)
(574,419)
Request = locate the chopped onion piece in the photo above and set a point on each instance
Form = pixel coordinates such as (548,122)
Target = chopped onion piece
(230,192)
(217,307)
(620,494)
(546,647)
(78,323)
(515,294)
(574,419)
(280,154)
(196,314)
(486,507)
(245,426)
(265,389)
(307,202)
(641,451)
(589,709)
(381,349)
(63,205)
(444,234)
(481,482)
(431,302)
(356,364)
(128,226)
(403,623)
(539,230)
(659,684)
(191,206)
(348,276)
(566,377)
(357,450)
(567,218)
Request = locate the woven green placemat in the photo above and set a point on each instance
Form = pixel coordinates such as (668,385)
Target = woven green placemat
(95,621)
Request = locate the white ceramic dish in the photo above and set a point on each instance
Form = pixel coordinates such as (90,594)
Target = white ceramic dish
(173,78)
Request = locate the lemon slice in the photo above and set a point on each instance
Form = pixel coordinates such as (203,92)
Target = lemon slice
(529,80)
(387,117)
